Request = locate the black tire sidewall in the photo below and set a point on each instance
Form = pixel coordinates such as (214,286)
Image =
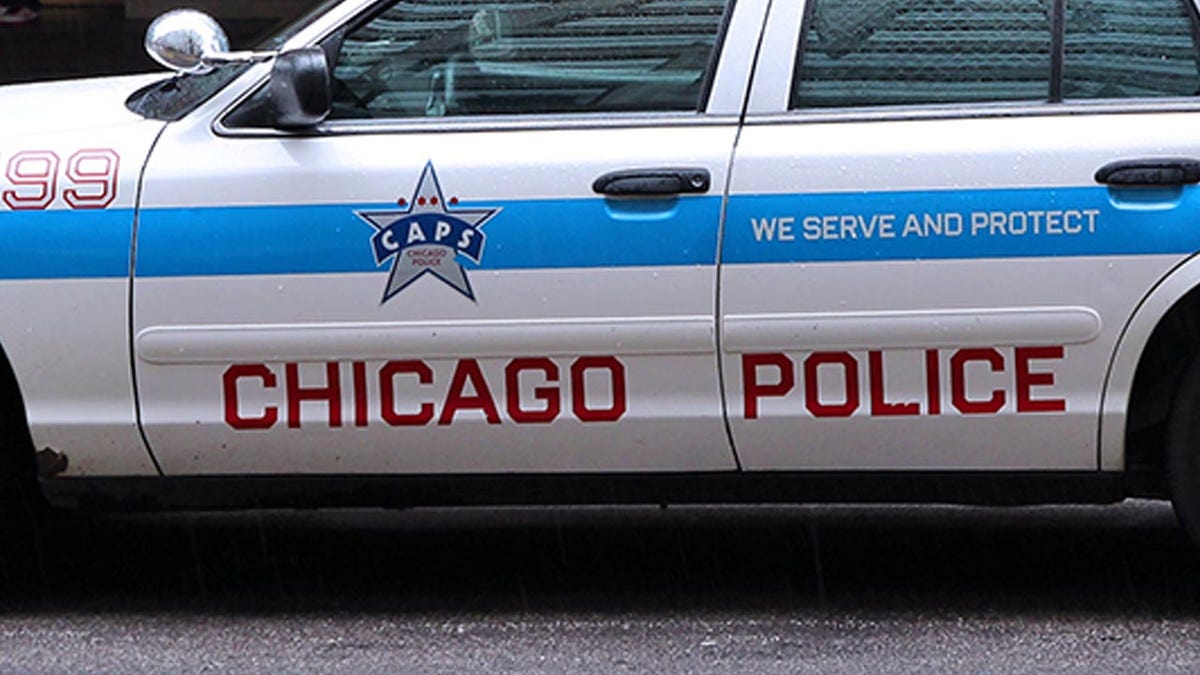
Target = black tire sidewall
(1183,451)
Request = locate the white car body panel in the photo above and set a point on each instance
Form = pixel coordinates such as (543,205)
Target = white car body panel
(657,320)
(948,440)
(898,167)
(57,107)
(668,346)
(66,286)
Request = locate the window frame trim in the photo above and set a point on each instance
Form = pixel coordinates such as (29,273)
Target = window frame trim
(765,100)
(364,11)
(481,124)
(981,110)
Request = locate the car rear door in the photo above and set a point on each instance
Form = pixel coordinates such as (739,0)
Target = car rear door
(941,216)
(497,255)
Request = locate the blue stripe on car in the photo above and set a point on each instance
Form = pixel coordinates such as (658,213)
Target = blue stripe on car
(331,238)
(1126,222)
(65,244)
(593,232)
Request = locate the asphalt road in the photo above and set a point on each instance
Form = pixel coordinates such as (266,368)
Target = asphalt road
(604,590)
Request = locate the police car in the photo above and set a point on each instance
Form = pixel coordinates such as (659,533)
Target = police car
(518,251)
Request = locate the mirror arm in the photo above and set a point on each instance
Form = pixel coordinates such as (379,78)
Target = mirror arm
(222,58)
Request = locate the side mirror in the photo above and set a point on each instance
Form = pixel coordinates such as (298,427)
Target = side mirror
(192,42)
(300,93)
(180,39)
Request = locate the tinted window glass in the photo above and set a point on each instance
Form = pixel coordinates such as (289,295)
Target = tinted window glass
(892,52)
(479,57)
(1121,49)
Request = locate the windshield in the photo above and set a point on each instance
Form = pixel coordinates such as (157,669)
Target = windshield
(276,36)
(177,95)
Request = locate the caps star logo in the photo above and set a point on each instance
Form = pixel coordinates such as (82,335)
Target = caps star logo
(427,238)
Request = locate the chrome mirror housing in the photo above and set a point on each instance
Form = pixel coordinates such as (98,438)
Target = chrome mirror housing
(190,41)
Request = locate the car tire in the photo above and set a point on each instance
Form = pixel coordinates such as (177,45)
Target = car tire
(25,515)
(21,498)
(1183,451)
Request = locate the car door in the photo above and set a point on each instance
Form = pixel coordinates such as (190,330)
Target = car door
(498,254)
(942,215)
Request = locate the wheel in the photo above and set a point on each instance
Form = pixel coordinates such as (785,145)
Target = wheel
(20,498)
(24,513)
(1183,451)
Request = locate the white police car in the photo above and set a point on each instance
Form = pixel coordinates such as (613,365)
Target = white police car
(497,251)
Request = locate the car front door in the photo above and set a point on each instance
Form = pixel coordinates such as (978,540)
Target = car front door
(497,255)
(942,215)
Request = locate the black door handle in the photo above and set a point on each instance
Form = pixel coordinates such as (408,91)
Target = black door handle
(1149,172)
(652,182)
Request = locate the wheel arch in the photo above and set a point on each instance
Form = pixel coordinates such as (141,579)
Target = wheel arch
(1154,348)
(18,459)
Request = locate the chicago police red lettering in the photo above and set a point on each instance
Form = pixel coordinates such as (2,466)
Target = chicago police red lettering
(330,394)
(958,381)
(548,395)
(1027,379)
(233,415)
(610,368)
(532,391)
(880,406)
(467,374)
(982,382)
(387,393)
(783,374)
(848,367)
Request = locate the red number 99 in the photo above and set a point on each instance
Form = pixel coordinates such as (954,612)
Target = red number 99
(95,170)
(35,169)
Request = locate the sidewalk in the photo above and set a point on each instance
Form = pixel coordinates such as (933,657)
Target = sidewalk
(85,41)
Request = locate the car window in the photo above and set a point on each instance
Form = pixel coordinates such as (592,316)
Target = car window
(1118,49)
(892,52)
(287,28)
(422,58)
(905,52)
